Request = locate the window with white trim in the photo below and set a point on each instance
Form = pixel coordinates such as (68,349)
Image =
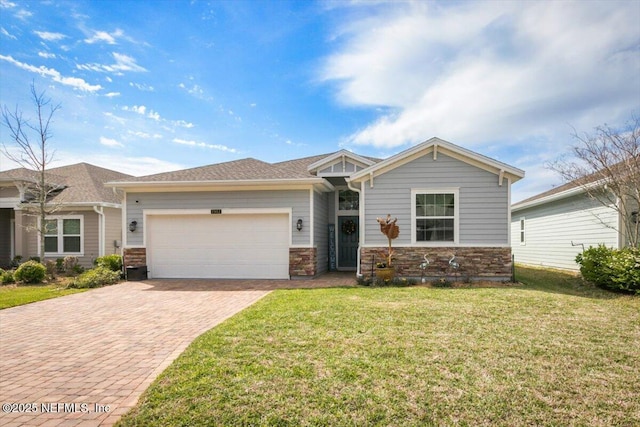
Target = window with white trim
(63,235)
(522,233)
(435,216)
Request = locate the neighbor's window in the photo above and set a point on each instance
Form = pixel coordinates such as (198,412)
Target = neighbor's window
(435,217)
(63,235)
(522,241)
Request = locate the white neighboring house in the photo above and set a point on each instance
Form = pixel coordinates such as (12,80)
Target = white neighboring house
(551,228)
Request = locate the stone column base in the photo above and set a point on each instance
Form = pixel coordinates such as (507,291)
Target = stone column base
(302,262)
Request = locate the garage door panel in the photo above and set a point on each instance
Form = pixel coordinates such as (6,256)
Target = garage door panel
(220,246)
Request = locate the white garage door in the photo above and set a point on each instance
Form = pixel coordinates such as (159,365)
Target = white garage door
(218,246)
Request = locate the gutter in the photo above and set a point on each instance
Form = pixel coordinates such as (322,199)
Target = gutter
(101,229)
(360,231)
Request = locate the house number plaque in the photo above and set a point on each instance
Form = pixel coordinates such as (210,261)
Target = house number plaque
(216,211)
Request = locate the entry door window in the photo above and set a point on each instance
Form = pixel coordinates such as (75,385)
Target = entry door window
(348,200)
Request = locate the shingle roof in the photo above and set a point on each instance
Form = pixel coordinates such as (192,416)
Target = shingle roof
(571,185)
(239,170)
(83,182)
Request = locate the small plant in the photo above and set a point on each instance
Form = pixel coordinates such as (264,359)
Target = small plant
(112,262)
(35,258)
(6,277)
(16,261)
(51,268)
(69,264)
(30,272)
(60,265)
(441,283)
(94,278)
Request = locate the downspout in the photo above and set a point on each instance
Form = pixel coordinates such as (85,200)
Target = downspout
(101,229)
(360,231)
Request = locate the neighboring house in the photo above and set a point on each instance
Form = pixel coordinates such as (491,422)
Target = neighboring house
(86,222)
(551,228)
(299,218)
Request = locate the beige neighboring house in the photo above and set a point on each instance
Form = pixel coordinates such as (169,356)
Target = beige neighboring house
(87,222)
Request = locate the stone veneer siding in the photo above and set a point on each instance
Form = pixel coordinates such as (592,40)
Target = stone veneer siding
(302,262)
(135,257)
(478,263)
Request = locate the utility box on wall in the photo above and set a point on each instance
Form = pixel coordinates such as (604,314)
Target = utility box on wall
(135,274)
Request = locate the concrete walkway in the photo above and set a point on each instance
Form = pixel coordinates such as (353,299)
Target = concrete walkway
(85,359)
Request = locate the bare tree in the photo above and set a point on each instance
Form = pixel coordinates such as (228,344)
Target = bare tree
(34,154)
(606,165)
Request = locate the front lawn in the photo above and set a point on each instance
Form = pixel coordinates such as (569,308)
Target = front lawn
(13,295)
(551,352)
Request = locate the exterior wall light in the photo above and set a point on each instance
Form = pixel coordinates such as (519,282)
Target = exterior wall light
(299,224)
(133,225)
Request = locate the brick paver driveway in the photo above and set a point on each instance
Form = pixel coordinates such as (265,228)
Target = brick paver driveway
(86,358)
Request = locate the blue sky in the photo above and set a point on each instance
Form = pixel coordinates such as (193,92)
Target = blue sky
(152,86)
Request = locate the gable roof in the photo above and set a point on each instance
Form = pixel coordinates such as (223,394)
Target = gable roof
(328,160)
(436,145)
(569,189)
(83,183)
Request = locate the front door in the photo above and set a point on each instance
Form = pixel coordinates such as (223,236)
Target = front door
(348,230)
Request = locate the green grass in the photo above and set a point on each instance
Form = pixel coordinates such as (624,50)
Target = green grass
(551,352)
(14,295)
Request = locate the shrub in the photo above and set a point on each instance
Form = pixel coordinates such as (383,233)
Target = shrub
(70,264)
(51,267)
(441,283)
(616,269)
(30,272)
(112,262)
(94,278)
(6,277)
(35,258)
(60,265)
(16,261)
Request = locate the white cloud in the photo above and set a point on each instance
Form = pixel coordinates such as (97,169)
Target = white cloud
(142,87)
(182,123)
(144,135)
(75,82)
(204,145)
(104,37)
(486,70)
(112,94)
(46,55)
(6,4)
(153,115)
(117,119)
(110,142)
(49,36)
(122,63)
(7,34)
(23,14)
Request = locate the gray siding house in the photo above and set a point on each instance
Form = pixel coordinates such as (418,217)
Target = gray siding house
(551,228)
(300,218)
(86,216)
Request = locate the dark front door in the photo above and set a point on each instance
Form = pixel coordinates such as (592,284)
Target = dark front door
(348,230)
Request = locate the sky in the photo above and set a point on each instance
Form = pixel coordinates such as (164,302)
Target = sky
(153,86)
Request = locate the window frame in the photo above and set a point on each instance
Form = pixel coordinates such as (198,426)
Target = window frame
(60,235)
(456,215)
(523,231)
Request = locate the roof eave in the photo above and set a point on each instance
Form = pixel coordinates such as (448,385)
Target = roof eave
(557,196)
(219,183)
(497,167)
